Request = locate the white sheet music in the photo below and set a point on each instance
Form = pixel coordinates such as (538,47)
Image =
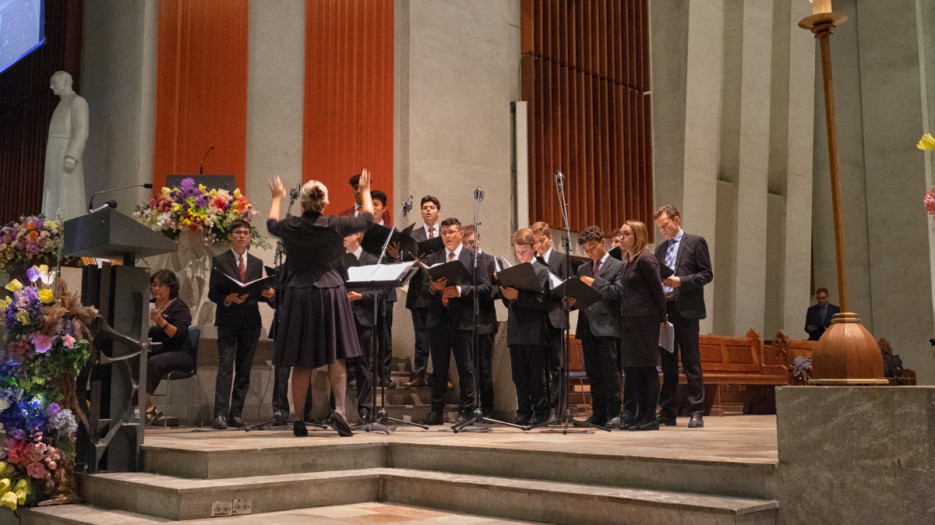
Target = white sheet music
(378,272)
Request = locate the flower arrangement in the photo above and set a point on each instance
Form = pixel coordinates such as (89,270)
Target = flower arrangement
(193,208)
(927,143)
(29,240)
(47,342)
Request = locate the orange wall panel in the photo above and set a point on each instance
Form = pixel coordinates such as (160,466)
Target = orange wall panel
(201,90)
(348,122)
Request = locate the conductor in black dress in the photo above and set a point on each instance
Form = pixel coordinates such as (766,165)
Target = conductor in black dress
(316,325)
(237,318)
(450,322)
(643,309)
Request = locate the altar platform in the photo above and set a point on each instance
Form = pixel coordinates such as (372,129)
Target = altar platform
(831,455)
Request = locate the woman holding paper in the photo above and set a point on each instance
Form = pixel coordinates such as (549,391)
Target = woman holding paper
(169,319)
(643,308)
(316,324)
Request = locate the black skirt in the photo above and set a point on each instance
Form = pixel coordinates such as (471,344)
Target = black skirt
(316,327)
(639,340)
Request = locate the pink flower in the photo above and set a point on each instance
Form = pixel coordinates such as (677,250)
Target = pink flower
(36,454)
(43,343)
(930,202)
(69,341)
(36,470)
(51,464)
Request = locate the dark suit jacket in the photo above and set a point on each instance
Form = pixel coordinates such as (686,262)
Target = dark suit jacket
(386,215)
(602,319)
(460,310)
(557,264)
(246,314)
(642,288)
(363,309)
(487,309)
(693,267)
(813,316)
(528,321)
(418,296)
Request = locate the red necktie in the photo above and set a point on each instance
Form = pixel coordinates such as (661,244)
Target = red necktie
(243,270)
(597,268)
(451,257)
(432,232)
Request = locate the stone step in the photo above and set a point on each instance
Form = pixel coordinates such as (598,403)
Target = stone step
(540,501)
(291,456)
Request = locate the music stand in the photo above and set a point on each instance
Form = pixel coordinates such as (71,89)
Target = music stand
(380,277)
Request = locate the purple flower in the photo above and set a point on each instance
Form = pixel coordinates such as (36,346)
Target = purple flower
(53,409)
(189,188)
(43,343)
(201,201)
(33,274)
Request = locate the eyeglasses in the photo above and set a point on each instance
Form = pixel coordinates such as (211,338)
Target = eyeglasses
(242,233)
(450,233)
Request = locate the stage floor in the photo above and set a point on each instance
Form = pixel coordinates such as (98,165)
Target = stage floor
(735,439)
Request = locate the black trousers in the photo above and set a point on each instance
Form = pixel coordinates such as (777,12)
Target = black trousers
(554,366)
(601,362)
(158,365)
(281,390)
(529,376)
(385,340)
(686,342)
(236,346)
(645,388)
(447,340)
(423,342)
(485,381)
(361,369)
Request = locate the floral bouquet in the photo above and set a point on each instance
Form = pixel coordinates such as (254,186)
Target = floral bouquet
(927,143)
(29,240)
(193,208)
(47,342)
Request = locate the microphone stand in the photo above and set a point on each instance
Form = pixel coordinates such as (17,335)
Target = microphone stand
(477,416)
(383,422)
(566,418)
(277,263)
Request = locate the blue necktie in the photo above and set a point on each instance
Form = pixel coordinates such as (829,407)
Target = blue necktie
(671,252)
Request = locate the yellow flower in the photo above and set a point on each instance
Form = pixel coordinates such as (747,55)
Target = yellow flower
(20,496)
(52,225)
(926,143)
(46,296)
(4,304)
(43,268)
(23,485)
(14,285)
(237,193)
(9,500)
(4,485)
(22,316)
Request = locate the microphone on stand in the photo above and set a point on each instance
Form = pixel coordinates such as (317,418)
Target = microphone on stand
(407,206)
(559,178)
(201,170)
(91,201)
(294,192)
(108,204)
(479,194)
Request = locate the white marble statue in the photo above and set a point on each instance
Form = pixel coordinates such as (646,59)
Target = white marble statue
(63,188)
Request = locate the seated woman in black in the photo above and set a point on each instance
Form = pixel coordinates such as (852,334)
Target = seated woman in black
(169,322)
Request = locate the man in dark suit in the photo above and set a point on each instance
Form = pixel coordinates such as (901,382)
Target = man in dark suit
(557,263)
(599,328)
(238,321)
(486,322)
(450,322)
(687,256)
(818,316)
(382,217)
(362,306)
(417,300)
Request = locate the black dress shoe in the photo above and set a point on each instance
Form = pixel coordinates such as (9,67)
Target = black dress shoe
(651,424)
(521,419)
(299,429)
(665,419)
(236,421)
(364,415)
(340,424)
(696,421)
(278,419)
(596,420)
(220,423)
(615,422)
(434,418)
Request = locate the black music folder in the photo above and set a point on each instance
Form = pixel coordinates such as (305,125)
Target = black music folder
(522,277)
(253,287)
(454,271)
(583,294)
(376,235)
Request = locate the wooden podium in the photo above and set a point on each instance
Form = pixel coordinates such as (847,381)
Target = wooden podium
(121,294)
